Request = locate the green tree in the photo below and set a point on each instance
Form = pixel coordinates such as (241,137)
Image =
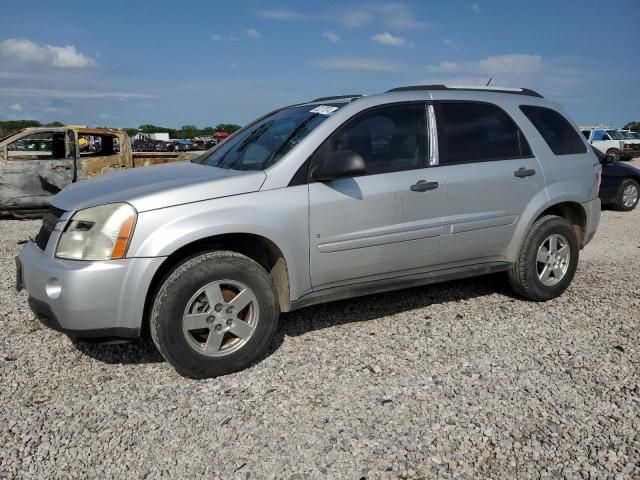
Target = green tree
(54,124)
(9,127)
(131,131)
(188,131)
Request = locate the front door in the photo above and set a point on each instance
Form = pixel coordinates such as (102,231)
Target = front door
(377,225)
(38,165)
(491,176)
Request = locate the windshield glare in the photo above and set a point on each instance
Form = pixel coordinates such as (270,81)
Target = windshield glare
(267,140)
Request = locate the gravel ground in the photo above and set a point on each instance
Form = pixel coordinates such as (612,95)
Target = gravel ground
(459,380)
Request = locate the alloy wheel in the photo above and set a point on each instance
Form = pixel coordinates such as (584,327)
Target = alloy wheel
(630,196)
(552,260)
(220,318)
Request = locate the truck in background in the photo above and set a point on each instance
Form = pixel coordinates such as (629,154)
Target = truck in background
(36,163)
(612,143)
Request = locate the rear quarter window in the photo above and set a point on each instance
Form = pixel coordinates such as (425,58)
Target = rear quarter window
(561,137)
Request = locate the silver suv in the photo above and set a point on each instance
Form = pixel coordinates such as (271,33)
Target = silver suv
(329,199)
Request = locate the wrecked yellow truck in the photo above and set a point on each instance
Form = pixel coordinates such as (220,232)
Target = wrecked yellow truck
(36,163)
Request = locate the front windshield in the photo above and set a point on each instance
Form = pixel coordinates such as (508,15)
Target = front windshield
(615,135)
(267,140)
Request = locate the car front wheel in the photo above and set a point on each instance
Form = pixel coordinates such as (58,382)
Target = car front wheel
(214,314)
(548,260)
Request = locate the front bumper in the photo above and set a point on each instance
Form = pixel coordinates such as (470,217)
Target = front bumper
(629,153)
(593,209)
(86,299)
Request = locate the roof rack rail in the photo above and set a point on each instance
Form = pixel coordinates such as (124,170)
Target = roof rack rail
(336,97)
(515,91)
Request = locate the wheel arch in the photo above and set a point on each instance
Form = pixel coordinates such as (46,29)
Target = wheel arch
(256,247)
(571,211)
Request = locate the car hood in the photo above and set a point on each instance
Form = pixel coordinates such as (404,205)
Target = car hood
(159,186)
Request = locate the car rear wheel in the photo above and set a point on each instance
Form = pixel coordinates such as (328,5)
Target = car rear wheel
(214,314)
(548,260)
(613,154)
(628,195)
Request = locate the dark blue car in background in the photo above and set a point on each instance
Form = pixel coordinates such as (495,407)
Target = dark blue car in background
(620,186)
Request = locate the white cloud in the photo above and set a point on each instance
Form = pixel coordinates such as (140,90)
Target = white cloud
(333,37)
(16,107)
(253,34)
(387,39)
(392,14)
(104,116)
(216,37)
(515,64)
(281,14)
(53,93)
(357,18)
(450,44)
(363,64)
(476,8)
(26,51)
(57,110)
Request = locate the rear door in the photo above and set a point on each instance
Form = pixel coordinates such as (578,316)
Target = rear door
(38,166)
(490,176)
(101,153)
(377,226)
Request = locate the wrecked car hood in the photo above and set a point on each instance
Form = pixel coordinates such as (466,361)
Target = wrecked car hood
(159,186)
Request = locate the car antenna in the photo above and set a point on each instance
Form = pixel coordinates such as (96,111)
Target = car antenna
(490,78)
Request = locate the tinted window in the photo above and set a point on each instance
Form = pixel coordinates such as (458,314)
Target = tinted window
(586,134)
(389,139)
(561,137)
(478,132)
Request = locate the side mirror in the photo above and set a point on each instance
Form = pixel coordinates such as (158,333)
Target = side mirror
(340,164)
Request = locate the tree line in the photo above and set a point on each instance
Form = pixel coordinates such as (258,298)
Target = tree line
(7,127)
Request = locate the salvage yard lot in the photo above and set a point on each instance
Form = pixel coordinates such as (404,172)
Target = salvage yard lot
(454,380)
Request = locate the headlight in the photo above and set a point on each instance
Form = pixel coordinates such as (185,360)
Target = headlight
(98,233)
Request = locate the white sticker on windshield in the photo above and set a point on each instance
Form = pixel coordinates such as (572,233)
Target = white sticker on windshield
(324,110)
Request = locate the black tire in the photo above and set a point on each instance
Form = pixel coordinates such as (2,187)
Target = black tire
(619,205)
(176,292)
(613,154)
(523,276)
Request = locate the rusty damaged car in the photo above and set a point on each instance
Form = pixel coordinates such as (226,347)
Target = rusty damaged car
(36,163)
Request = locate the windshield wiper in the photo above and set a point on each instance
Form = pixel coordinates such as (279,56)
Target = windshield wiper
(291,136)
(244,144)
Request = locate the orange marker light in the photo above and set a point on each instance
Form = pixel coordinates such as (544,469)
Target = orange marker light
(122,242)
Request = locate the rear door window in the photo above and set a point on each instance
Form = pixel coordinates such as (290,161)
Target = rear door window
(561,137)
(478,132)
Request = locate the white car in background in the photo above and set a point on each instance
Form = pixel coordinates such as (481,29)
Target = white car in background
(614,144)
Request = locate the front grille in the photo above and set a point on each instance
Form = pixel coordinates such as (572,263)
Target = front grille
(49,222)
